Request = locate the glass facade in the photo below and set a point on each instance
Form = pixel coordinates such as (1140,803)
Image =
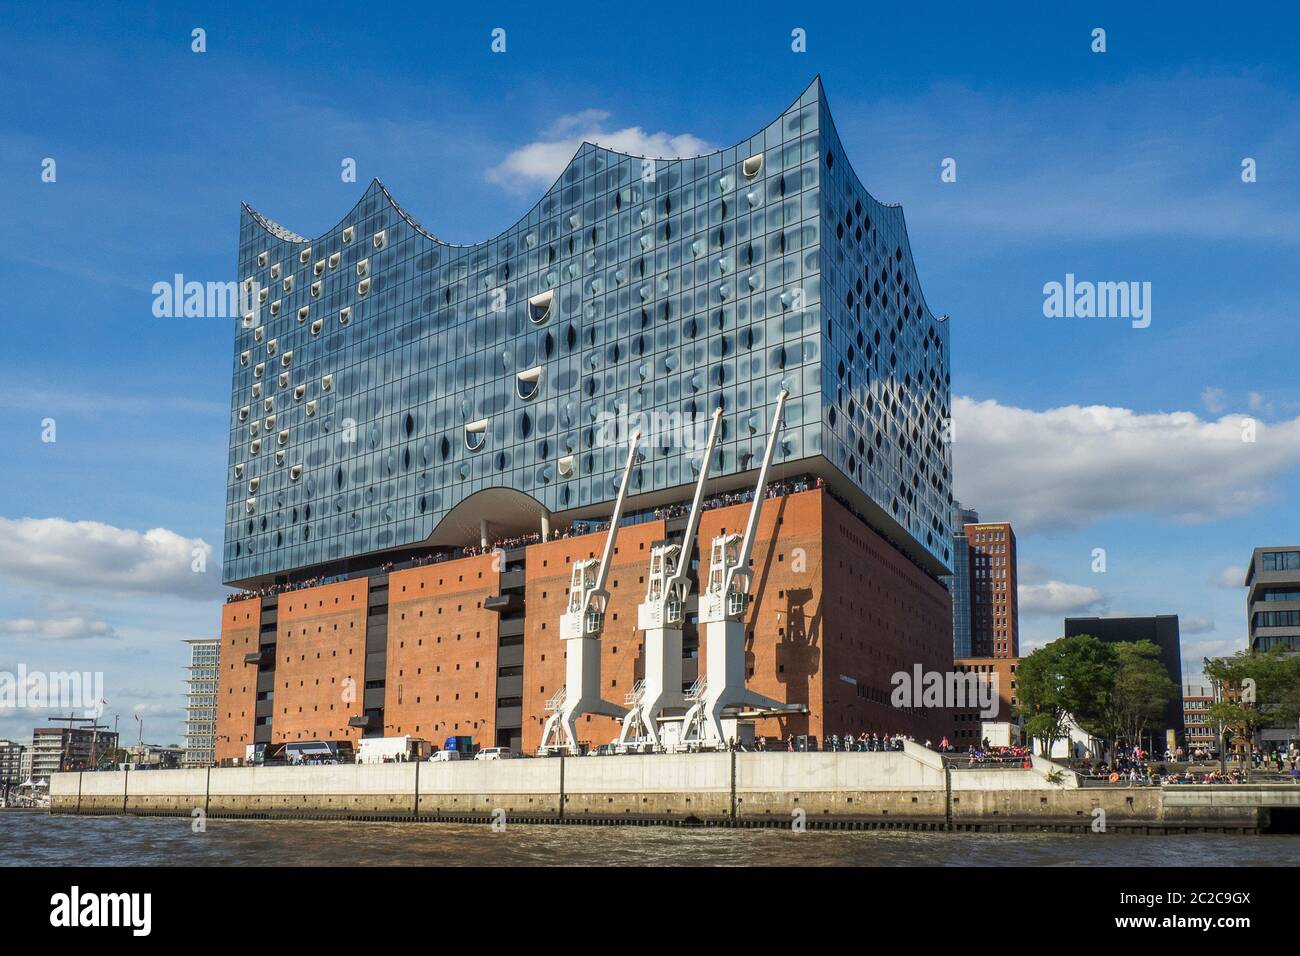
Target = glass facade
(382,377)
(959,582)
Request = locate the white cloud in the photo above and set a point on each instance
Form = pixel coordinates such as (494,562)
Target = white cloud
(542,161)
(88,555)
(1196,624)
(71,627)
(1071,466)
(1231,577)
(1214,399)
(1057,598)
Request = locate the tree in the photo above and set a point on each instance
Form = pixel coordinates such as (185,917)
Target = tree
(1255,691)
(1139,693)
(1143,688)
(1070,677)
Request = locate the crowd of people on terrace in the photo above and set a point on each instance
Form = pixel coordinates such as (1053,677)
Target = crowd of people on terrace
(1139,767)
(986,753)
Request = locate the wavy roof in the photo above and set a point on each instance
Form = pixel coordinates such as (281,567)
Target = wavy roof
(815,86)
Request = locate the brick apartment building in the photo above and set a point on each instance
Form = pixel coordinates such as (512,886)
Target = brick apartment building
(994,608)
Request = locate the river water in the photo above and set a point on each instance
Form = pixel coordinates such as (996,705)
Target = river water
(36,839)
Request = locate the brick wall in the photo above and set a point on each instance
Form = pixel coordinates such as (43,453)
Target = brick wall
(320,645)
(442,651)
(236,681)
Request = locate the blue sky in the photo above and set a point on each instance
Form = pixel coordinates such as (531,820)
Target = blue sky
(1087,433)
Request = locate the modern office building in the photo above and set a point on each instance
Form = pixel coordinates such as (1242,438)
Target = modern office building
(56,749)
(959,582)
(1273,598)
(1273,613)
(400,404)
(1161,630)
(201,702)
(994,604)
(1201,733)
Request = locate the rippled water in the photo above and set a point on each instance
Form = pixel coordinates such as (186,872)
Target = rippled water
(35,839)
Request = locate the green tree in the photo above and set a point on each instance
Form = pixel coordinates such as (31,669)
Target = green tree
(1255,691)
(1070,677)
(1139,693)
(1143,688)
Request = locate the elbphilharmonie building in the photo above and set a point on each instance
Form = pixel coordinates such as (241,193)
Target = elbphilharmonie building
(425,438)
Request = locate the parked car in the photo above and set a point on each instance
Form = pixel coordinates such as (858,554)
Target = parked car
(442,756)
(494,753)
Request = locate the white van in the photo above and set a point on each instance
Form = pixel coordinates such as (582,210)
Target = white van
(390,749)
(442,756)
(494,753)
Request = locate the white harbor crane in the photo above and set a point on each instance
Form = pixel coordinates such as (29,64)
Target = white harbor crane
(581,626)
(661,615)
(723,603)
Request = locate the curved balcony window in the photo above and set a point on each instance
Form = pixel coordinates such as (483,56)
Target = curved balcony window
(476,434)
(752,166)
(539,307)
(528,382)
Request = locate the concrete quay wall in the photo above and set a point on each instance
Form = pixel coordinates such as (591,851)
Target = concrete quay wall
(892,790)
